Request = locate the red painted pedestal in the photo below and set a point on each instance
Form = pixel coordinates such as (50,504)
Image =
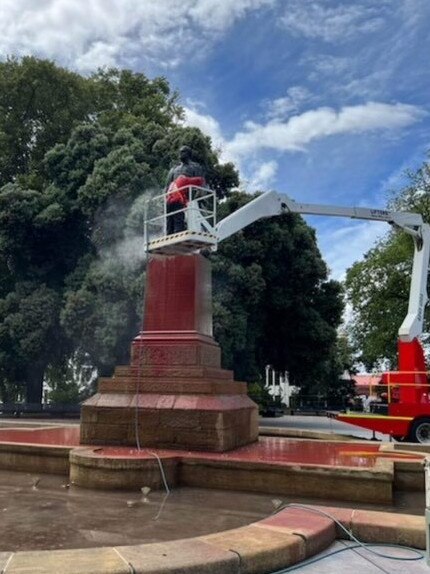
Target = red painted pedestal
(174,394)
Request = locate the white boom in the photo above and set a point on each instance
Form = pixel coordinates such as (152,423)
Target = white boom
(271,203)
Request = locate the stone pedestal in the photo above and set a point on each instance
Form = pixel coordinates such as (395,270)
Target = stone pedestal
(174,394)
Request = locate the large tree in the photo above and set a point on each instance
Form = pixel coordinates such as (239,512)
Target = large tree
(71,262)
(34,229)
(63,140)
(378,285)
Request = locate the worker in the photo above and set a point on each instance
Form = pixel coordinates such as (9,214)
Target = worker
(186,173)
(177,200)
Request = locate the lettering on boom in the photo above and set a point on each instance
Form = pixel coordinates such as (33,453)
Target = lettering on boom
(379,213)
(420,307)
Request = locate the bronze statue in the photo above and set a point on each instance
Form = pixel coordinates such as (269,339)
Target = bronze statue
(187,167)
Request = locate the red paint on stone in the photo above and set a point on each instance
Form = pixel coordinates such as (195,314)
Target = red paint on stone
(302,520)
(146,401)
(272,450)
(187,402)
(58,436)
(178,295)
(341,515)
(318,531)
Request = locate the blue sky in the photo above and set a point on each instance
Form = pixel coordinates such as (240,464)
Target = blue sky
(326,100)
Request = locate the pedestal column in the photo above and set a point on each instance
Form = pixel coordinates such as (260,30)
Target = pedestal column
(175,385)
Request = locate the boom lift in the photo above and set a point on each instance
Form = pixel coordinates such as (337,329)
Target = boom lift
(406,415)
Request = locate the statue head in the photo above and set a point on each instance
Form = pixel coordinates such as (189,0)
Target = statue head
(185,153)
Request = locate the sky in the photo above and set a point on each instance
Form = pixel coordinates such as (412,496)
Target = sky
(325,100)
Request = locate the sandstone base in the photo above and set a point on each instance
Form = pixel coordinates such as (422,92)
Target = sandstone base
(174,394)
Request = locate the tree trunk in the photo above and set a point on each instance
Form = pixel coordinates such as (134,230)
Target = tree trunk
(34,385)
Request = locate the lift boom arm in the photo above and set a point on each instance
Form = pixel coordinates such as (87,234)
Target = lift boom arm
(271,203)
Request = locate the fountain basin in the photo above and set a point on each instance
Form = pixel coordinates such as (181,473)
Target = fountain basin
(274,465)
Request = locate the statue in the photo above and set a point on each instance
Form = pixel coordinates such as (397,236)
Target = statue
(186,173)
(187,167)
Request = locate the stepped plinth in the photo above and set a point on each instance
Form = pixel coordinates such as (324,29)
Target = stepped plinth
(174,393)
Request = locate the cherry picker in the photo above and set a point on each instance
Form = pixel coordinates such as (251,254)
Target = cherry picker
(406,414)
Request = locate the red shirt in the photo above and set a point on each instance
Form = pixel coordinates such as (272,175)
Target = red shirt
(177,195)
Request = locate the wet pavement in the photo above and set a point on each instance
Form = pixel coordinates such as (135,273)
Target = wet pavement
(301,422)
(268,450)
(51,435)
(361,561)
(273,450)
(321,424)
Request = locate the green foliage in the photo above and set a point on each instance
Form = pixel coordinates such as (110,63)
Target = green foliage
(68,165)
(40,104)
(74,154)
(101,314)
(71,381)
(345,355)
(273,303)
(332,386)
(261,396)
(63,383)
(378,289)
(122,97)
(378,286)
(30,336)
(77,157)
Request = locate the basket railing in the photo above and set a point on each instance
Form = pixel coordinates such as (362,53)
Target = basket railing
(199,212)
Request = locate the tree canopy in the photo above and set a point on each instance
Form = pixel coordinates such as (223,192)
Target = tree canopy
(378,285)
(77,155)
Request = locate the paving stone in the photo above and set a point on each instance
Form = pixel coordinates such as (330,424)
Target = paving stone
(318,531)
(91,561)
(4,559)
(343,515)
(362,562)
(372,526)
(183,556)
(261,550)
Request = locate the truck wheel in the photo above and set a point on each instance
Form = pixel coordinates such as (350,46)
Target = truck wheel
(420,431)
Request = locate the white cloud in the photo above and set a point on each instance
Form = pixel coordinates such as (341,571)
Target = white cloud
(84,34)
(342,244)
(263,176)
(218,15)
(329,65)
(207,124)
(245,147)
(98,55)
(284,106)
(331,23)
(300,130)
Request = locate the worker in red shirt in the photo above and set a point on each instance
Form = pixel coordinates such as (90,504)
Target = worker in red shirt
(177,200)
(187,173)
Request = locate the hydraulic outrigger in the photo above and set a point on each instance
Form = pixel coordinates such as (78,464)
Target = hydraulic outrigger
(406,415)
